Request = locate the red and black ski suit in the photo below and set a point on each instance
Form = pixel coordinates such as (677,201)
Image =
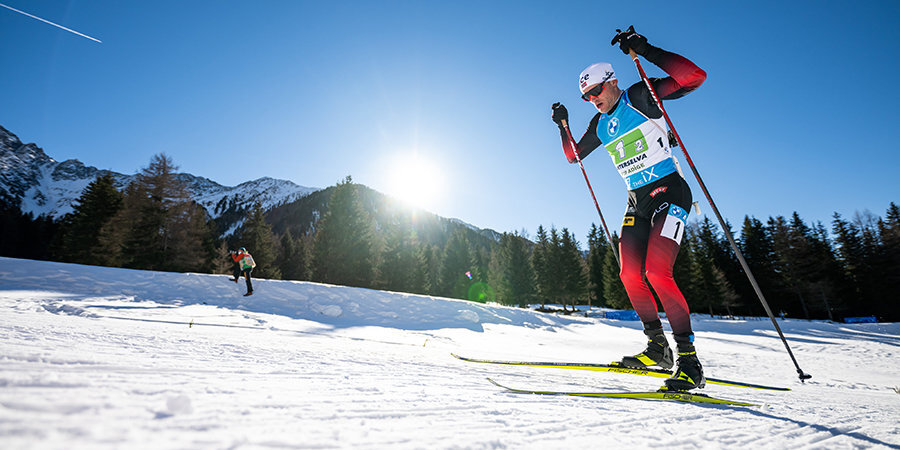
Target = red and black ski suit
(649,242)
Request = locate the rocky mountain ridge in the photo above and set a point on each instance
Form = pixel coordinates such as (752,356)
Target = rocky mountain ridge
(40,185)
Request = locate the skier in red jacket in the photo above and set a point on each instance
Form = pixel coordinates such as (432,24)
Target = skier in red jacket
(243,265)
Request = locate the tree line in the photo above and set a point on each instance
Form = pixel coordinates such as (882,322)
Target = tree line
(348,235)
(803,271)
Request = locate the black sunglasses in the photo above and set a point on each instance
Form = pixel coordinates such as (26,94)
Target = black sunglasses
(597,90)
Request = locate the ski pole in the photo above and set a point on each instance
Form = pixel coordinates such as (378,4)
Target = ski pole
(565,124)
(728,235)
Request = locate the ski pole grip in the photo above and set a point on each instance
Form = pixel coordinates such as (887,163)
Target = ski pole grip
(564,123)
(632,54)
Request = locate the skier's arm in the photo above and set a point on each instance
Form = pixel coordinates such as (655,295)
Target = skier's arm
(684,75)
(582,148)
(589,141)
(568,144)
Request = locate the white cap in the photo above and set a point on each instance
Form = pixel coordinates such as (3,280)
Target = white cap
(594,74)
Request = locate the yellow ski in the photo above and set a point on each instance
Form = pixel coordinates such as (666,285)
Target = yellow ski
(616,368)
(658,395)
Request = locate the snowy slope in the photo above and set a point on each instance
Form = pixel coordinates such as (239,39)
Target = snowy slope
(95,357)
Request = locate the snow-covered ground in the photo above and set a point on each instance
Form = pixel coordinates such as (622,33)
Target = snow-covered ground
(94,357)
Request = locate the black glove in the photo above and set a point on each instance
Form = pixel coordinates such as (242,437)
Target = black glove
(629,39)
(560,113)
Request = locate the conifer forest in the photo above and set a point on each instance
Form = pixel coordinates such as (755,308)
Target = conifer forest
(349,234)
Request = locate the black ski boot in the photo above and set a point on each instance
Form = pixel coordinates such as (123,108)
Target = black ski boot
(688,371)
(657,353)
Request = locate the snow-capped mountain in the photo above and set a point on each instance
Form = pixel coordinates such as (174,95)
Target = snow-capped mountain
(40,185)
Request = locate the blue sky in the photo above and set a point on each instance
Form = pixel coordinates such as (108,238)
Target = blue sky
(797,114)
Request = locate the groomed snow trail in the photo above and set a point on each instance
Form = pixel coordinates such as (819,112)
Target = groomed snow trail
(94,357)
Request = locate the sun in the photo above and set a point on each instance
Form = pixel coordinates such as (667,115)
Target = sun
(414,180)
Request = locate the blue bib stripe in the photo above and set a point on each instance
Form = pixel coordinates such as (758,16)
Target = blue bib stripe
(637,145)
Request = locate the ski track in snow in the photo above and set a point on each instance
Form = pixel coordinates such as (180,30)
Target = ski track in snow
(94,357)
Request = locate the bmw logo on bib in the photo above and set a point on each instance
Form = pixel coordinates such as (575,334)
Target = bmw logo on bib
(613,126)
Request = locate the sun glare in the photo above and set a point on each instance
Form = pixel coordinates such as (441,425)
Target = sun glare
(415,181)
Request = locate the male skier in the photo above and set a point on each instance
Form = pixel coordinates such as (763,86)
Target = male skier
(631,127)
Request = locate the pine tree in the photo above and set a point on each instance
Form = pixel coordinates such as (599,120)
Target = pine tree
(727,261)
(457,261)
(344,251)
(826,276)
(728,298)
(783,299)
(550,266)
(574,270)
(555,268)
(111,237)
(702,240)
(542,266)
(804,260)
(257,238)
(876,260)
(682,271)
(512,272)
(26,236)
(481,257)
(192,240)
(145,244)
(855,260)
(222,262)
(402,262)
(614,291)
(294,258)
(889,231)
(431,257)
(756,246)
(419,276)
(868,255)
(158,227)
(800,255)
(96,206)
(710,260)
(598,247)
(815,268)
(138,236)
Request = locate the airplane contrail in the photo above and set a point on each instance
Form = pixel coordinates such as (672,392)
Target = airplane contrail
(51,23)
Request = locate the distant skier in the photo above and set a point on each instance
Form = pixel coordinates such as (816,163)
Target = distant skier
(631,128)
(243,265)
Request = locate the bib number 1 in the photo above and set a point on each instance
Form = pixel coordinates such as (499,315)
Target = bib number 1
(673,228)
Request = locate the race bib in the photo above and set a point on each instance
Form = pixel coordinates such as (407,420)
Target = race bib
(676,219)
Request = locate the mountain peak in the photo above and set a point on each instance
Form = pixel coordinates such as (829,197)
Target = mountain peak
(40,185)
(25,152)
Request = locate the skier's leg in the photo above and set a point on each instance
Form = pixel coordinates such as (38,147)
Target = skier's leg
(633,251)
(661,254)
(657,352)
(633,248)
(249,284)
(667,227)
(666,232)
